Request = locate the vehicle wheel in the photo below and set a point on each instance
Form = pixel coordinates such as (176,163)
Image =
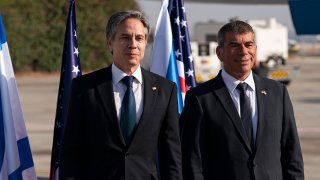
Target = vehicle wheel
(272,62)
(282,61)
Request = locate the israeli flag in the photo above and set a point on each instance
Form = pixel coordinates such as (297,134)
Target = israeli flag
(15,154)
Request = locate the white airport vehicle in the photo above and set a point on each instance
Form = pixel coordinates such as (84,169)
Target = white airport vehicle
(206,62)
(271,38)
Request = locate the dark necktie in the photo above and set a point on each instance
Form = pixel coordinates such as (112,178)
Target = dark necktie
(128,111)
(246,111)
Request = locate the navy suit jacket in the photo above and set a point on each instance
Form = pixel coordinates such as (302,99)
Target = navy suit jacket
(214,145)
(93,146)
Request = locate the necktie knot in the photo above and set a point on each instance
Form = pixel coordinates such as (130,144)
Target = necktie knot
(127,80)
(242,87)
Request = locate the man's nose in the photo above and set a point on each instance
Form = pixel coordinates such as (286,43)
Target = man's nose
(243,49)
(132,43)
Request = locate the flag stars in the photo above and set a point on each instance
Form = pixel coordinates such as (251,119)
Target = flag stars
(183,23)
(58,124)
(190,58)
(76,51)
(183,9)
(189,72)
(177,21)
(177,53)
(75,33)
(76,69)
(182,37)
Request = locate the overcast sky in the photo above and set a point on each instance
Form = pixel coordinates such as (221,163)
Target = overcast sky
(204,12)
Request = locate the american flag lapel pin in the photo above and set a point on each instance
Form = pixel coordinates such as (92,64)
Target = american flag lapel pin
(264,92)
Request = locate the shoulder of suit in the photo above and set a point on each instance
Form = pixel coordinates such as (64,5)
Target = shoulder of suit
(93,78)
(156,77)
(263,81)
(205,87)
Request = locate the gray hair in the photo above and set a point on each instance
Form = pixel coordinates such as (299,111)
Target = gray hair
(120,17)
(237,27)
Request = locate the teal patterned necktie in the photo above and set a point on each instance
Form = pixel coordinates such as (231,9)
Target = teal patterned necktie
(128,111)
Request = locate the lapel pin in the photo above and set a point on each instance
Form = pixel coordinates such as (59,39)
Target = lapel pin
(154,88)
(264,92)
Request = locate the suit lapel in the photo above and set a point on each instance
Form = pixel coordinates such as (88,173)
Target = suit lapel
(261,94)
(151,89)
(226,101)
(105,91)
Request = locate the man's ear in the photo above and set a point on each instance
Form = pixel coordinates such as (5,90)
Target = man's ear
(109,44)
(219,52)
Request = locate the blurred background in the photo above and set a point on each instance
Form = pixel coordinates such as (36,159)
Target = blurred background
(287,35)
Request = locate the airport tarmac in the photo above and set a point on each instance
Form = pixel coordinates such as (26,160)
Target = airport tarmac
(38,95)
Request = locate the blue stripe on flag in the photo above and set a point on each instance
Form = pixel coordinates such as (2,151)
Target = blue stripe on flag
(25,159)
(172,74)
(2,138)
(3,38)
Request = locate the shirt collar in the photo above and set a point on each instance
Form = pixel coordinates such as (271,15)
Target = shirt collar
(118,74)
(232,82)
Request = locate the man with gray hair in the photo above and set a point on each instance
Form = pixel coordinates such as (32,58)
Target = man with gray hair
(239,126)
(122,116)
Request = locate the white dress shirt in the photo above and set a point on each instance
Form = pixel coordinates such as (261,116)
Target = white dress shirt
(231,84)
(120,88)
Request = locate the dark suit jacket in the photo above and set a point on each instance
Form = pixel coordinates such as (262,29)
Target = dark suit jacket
(93,146)
(214,145)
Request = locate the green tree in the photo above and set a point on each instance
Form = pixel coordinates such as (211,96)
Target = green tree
(35,31)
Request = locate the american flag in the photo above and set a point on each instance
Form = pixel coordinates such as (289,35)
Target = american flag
(182,42)
(171,57)
(70,68)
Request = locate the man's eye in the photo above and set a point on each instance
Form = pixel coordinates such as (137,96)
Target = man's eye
(140,38)
(250,45)
(234,45)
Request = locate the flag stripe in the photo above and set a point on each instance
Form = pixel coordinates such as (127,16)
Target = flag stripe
(3,38)
(25,160)
(172,74)
(181,77)
(2,136)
